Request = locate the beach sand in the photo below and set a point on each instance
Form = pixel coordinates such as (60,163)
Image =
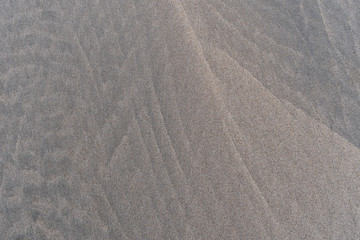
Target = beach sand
(180,119)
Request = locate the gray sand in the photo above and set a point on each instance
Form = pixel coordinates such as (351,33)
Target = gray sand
(179,119)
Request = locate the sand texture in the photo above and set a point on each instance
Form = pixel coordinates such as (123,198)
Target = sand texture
(179,119)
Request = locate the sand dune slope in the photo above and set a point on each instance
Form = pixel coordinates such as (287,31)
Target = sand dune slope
(174,119)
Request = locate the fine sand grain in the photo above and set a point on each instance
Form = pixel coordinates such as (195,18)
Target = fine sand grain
(179,119)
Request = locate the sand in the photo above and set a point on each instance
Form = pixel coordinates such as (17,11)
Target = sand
(179,119)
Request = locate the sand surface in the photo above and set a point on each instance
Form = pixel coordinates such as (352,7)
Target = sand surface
(179,119)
